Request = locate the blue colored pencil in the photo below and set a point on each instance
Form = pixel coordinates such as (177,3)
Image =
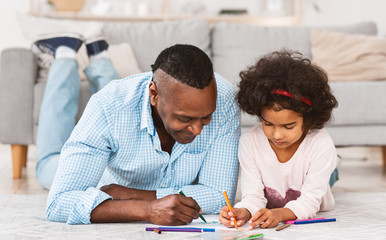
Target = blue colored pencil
(178,229)
(316,221)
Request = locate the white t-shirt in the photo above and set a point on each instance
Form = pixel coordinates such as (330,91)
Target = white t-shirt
(300,184)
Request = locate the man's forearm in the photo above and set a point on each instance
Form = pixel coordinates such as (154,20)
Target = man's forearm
(173,209)
(120,211)
(119,192)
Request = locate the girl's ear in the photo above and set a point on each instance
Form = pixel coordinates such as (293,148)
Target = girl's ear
(153,93)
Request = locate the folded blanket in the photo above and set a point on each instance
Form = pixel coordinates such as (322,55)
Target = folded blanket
(349,57)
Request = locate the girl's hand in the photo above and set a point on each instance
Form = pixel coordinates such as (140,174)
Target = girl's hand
(268,218)
(227,218)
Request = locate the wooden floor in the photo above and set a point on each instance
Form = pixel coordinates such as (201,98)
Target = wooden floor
(360,171)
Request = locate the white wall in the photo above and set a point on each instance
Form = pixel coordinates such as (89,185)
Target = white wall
(11,35)
(332,12)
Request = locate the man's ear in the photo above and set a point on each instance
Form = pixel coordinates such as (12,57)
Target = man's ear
(153,93)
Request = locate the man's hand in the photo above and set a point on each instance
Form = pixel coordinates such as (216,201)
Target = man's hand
(173,209)
(227,218)
(123,193)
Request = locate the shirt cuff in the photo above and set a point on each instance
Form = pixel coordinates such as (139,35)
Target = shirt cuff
(162,192)
(90,199)
(299,211)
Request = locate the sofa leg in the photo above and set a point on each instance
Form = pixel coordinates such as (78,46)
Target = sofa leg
(19,159)
(384,156)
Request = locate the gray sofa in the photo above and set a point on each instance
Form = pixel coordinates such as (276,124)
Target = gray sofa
(360,118)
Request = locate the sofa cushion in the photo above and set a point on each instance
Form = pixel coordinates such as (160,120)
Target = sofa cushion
(360,103)
(148,39)
(358,135)
(236,46)
(121,56)
(349,57)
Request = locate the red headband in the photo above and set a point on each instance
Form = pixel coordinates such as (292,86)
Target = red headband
(288,94)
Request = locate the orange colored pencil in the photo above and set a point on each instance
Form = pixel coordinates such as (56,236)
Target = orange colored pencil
(229,206)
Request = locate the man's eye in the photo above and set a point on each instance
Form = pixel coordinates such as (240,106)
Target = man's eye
(185,119)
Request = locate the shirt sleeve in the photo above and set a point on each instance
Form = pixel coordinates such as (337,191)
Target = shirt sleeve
(219,170)
(316,183)
(251,183)
(83,159)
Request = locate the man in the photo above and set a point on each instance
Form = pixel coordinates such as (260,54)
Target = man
(144,138)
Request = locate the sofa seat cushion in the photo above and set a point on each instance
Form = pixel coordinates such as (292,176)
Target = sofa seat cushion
(358,135)
(360,103)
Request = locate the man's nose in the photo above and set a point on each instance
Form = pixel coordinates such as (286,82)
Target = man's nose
(196,127)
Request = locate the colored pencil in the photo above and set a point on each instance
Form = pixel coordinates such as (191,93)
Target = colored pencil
(283,226)
(293,221)
(252,237)
(229,206)
(202,218)
(178,229)
(316,221)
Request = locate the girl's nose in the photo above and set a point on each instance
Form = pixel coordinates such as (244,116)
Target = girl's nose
(277,134)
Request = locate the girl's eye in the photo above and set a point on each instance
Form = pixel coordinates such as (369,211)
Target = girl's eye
(289,127)
(267,124)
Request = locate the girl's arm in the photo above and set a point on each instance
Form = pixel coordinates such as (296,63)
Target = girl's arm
(251,183)
(316,183)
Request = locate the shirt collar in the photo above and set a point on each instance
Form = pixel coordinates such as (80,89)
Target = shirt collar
(146,117)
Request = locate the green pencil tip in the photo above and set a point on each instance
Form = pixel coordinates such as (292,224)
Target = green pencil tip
(203,219)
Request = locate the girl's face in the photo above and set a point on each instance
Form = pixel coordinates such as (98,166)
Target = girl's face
(283,128)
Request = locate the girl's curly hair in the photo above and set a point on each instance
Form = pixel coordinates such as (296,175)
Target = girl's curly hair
(290,71)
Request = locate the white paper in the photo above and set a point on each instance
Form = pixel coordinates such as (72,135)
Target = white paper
(212,222)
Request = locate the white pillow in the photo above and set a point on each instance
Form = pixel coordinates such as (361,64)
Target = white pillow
(121,55)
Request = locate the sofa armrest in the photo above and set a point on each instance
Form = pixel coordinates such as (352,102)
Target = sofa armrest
(18,72)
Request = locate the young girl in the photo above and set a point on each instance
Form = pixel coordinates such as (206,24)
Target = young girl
(287,160)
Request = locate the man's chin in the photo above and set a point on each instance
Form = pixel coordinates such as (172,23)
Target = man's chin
(186,140)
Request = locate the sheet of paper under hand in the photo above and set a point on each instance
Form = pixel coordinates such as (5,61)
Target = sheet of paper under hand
(212,222)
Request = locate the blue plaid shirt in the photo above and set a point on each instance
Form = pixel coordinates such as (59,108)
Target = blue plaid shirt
(115,141)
